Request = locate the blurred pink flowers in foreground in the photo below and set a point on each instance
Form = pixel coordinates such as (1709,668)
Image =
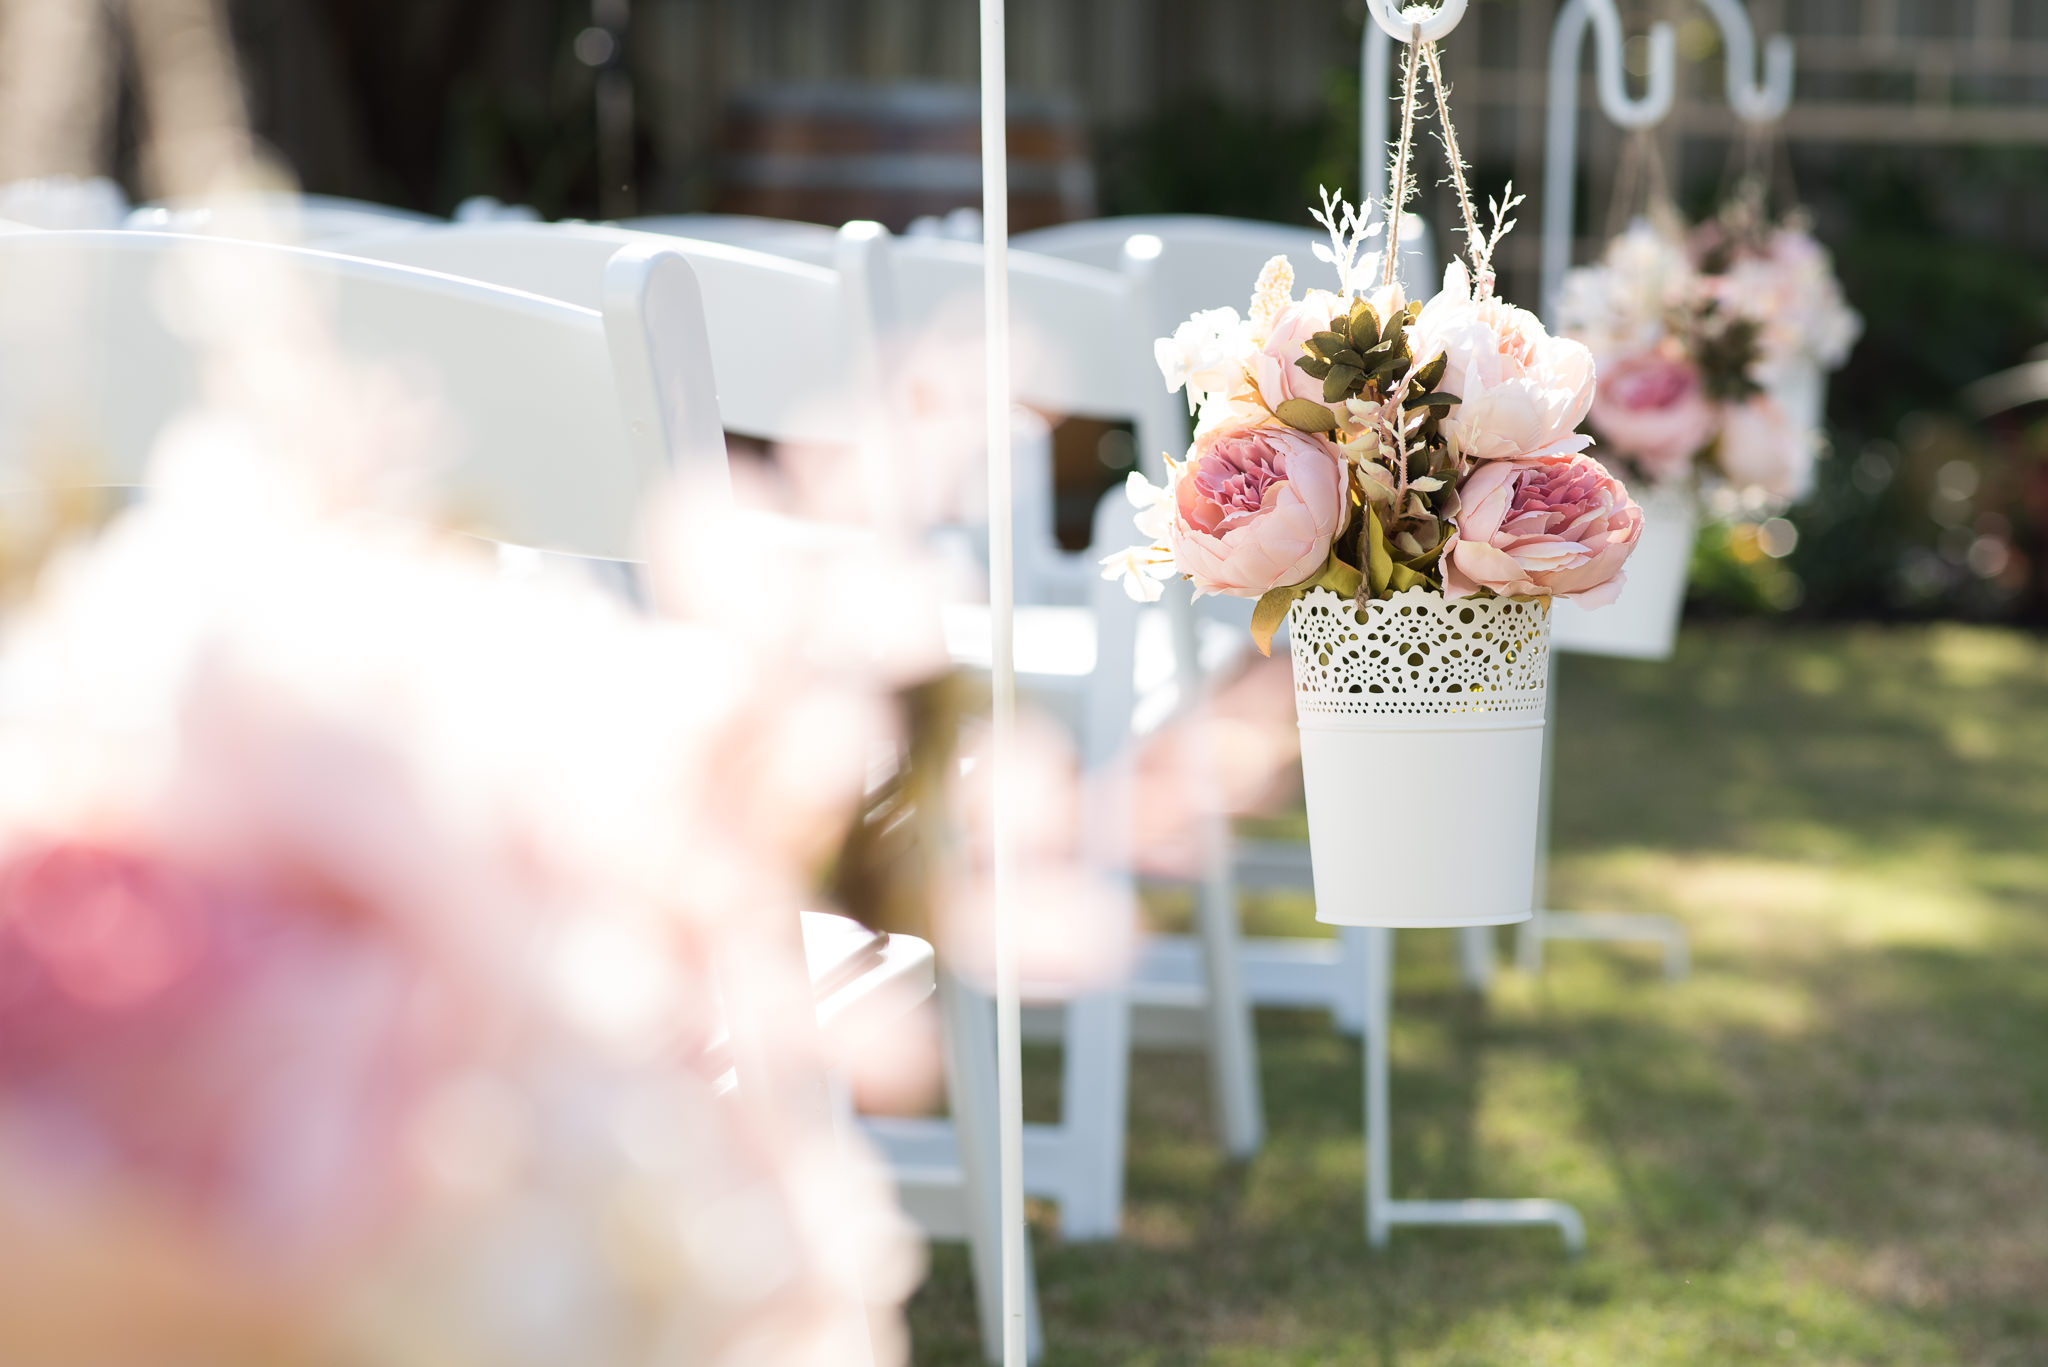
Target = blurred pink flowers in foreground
(370,922)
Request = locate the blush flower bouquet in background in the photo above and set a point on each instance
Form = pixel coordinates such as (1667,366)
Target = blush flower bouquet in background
(1713,349)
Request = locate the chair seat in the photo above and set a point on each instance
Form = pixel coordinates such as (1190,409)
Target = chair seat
(1056,648)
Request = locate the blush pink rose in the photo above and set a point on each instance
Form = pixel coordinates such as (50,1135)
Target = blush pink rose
(1653,407)
(1256,508)
(1524,392)
(1542,528)
(1763,447)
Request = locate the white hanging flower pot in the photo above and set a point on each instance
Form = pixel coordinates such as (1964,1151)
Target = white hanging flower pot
(1421,755)
(1643,623)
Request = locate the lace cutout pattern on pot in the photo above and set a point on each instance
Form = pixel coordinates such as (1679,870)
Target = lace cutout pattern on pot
(1417,654)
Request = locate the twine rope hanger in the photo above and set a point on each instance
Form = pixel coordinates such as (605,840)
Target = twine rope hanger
(1422,50)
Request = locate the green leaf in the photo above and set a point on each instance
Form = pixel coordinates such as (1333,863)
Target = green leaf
(1379,565)
(1306,415)
(1414,401)
(1338,383)
(1401,578)
(1271,612)
(1328,344)
(1364,326)
(1395,364)
(1314,366)
(1349,356)
(1432,375)
(1338,577)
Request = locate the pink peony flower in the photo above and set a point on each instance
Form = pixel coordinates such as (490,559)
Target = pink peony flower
(1651,406)
(1524,393)
(1255,509)
(1542,528)
(1762,447)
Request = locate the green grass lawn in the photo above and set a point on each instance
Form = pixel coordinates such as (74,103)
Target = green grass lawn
(1829,1146)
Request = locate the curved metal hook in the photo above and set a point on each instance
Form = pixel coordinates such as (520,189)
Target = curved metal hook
(1753,103)
(1614,97)
(1567,44)
(1400,21)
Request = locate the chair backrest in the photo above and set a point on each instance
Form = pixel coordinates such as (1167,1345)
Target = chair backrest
(1073,329)
(788,341)
(1206,262)
(777,236)
(308,219)
(554,420)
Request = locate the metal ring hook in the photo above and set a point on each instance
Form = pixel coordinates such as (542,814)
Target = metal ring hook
(1402,21)
(1753,102)
(1609,49)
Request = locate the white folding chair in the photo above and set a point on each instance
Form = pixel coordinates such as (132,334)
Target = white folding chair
(557,419)
(64,202)
(1080,346)
(752,300)
(306,219)
(949,1179)
(1199,262)
(1077,350)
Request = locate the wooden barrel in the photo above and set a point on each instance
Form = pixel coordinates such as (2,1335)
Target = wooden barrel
(830,153)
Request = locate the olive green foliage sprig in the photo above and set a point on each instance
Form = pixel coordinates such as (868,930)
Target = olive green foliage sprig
(1726,346)
(1404,479)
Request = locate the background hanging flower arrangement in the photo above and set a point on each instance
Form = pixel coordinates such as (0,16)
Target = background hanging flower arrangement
(1363,442)
(1711,347)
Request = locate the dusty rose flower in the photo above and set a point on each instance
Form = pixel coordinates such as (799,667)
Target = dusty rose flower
(1762,447)
(1652,406)
(1542,528)
(1524,393)
(1255,509)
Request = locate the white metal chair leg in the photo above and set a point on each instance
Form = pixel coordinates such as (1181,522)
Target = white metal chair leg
(1233,1046)
(1382,1212)
(1579,925)
(1476,956)
(1080,1162)
(968,1031)
(1351,1006)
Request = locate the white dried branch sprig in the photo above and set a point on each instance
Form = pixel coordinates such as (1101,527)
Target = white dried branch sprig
(1349,231)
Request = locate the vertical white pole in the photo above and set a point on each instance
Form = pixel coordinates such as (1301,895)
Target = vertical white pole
(1372,123)
(995,217)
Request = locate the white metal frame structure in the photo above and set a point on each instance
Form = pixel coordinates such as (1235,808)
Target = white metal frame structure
(1382,1211)
(1753,103)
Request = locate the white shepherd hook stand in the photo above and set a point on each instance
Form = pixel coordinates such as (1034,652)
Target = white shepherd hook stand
(1382,1211)
(1002,599)
(1752,103)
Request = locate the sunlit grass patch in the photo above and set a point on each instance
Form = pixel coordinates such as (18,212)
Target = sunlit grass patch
(1828,1146)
